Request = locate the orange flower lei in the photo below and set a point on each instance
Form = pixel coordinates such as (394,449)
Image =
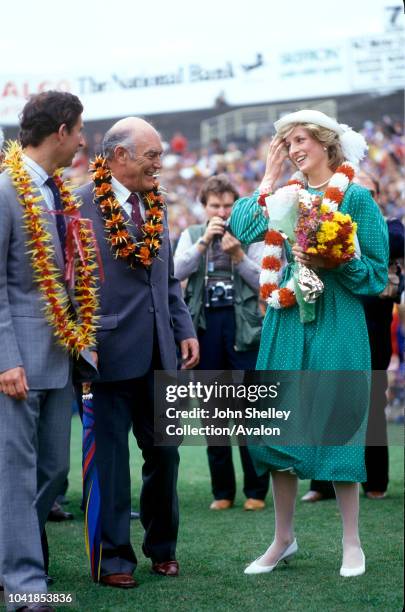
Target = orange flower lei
(270,275)
(74,334)
(121,241)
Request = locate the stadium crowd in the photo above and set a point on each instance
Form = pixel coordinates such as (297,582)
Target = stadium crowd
(185,170)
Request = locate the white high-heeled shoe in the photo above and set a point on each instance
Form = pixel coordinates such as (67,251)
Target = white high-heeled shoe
(255,568)
(348,572)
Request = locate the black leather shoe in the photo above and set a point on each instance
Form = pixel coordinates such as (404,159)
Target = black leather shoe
(166,568)
(57,514)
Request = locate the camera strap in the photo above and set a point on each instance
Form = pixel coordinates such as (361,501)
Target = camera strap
(207,277)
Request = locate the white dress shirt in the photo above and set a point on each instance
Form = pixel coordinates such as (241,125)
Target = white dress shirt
(39,178)
(122,194)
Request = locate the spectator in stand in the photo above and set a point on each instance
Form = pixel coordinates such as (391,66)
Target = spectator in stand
(179,143)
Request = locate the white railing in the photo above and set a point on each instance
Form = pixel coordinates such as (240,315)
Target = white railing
(251,123)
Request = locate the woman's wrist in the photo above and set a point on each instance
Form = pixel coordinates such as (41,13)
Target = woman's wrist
(265,189)
(266,186)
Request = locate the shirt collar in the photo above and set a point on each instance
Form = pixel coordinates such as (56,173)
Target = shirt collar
(121,192)
(36,172)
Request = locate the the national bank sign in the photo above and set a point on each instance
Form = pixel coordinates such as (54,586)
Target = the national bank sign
(360,64)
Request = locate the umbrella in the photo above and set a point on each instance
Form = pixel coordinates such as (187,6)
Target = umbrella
(91,489)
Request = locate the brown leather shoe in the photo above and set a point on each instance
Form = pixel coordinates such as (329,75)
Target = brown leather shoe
(119,581)
(312,497)
(57,514)
(376,494)
(254,504)
(221,504)
(167,568)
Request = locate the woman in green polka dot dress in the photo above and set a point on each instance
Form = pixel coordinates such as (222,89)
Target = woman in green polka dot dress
(336,339)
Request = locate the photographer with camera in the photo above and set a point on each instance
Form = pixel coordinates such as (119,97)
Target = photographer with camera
(222,296)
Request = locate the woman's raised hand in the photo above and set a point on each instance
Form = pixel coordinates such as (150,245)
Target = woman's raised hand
(276,156)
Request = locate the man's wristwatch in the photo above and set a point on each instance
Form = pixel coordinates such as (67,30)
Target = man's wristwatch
(202,241)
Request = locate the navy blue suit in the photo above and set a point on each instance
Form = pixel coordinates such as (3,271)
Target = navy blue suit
(143,317)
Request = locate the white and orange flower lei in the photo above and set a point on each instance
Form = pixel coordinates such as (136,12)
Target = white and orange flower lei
(73,334)
(120,239)
(272,268)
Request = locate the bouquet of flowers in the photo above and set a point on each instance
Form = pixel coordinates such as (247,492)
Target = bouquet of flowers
(318,226)
(323,231)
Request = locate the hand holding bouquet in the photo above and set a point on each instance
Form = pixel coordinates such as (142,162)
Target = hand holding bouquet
(323,231)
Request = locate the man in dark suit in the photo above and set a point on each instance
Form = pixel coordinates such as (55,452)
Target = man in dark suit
(143,317)
(36,390)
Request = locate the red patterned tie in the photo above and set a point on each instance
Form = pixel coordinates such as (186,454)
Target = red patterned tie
(135,213)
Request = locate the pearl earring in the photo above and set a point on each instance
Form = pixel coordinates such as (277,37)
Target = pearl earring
(325,148)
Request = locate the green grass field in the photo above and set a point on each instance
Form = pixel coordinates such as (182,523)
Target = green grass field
(214,548)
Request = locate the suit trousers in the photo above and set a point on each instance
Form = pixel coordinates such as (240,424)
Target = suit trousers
(34,462)
(217,352)
(118,406)
(377,440)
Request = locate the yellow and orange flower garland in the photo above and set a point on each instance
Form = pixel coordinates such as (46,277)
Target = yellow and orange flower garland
(272,254)
(121,241)
(74,334)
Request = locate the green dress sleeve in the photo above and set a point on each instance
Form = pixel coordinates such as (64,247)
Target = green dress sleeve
(248,223)
(366,275)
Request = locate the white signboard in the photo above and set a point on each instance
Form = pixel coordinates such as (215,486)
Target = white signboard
(362,64)
(378,61)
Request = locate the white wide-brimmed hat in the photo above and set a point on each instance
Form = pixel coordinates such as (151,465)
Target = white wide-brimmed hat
(353,144)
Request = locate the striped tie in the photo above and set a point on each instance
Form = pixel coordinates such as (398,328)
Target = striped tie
(136,214)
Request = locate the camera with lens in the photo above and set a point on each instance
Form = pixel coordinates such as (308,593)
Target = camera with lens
(219,295)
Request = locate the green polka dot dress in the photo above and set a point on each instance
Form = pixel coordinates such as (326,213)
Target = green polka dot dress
(336,340)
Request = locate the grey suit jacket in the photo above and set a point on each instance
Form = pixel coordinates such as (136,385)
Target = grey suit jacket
(26,337)
(136,304)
